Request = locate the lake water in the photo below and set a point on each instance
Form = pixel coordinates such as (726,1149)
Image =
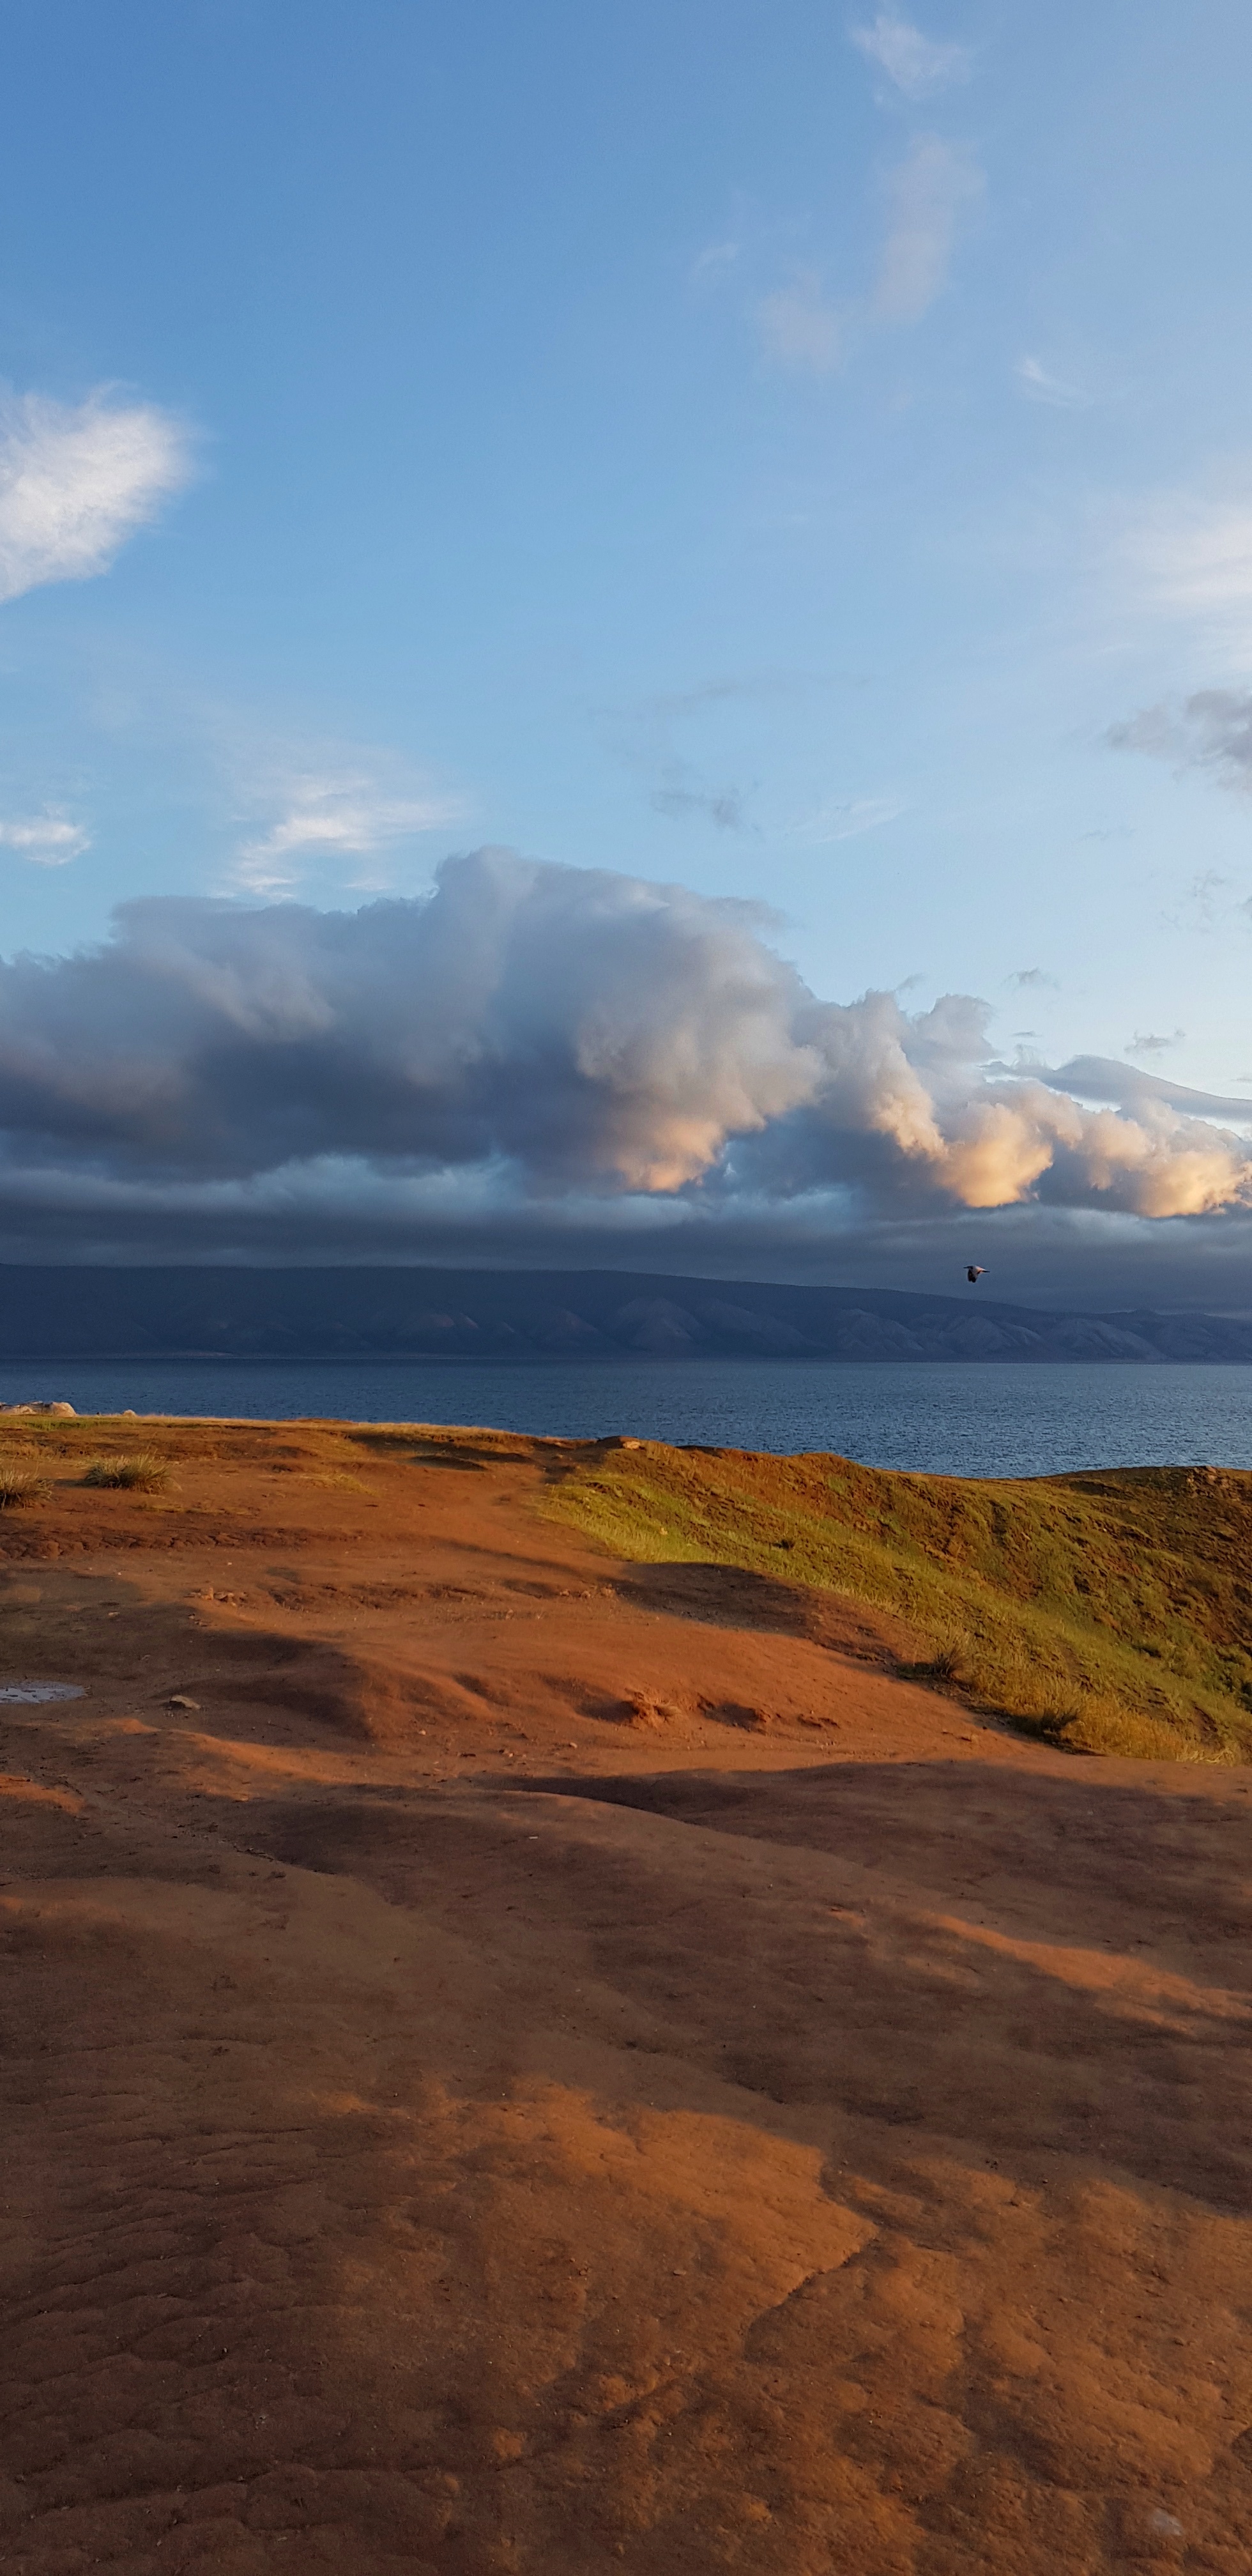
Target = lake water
(948,1418)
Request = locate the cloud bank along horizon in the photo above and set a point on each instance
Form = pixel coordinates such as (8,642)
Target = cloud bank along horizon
(878,505)
(582,1044)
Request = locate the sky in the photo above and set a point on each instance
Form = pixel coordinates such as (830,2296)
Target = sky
(626,637)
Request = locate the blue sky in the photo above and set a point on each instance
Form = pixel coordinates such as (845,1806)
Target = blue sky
(801,454)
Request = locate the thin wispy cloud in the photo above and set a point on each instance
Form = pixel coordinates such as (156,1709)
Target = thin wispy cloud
(1144,1042)
(326,820)
(800,328)
(1206,907)
(48,840)
(1188,556)
(1040,386)
(77,480)
(1206,900)
(714,261)
(917,65)
(683,797)
(927,196)
(846,819)
(698,784)
(665,706)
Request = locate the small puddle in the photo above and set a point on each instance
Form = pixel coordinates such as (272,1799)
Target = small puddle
(30,1692)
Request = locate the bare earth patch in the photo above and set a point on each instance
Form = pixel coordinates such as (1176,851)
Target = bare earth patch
(521,2060)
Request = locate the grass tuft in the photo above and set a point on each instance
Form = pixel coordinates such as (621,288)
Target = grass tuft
(139,1473)
(18,1487)
(1111,1613)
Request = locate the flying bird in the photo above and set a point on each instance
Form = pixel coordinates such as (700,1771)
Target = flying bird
(975,1273)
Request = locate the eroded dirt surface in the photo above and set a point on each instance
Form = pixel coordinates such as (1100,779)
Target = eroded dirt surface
(551,2066)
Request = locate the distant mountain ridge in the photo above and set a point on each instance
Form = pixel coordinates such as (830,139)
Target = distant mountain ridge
(68,1312)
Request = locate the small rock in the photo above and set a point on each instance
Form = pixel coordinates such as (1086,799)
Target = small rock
(33,1694)
(1147,2532)
(179,1699)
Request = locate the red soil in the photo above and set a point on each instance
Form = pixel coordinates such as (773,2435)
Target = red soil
(555,2066)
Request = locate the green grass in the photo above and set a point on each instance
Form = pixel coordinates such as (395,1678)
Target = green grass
(1110,1612)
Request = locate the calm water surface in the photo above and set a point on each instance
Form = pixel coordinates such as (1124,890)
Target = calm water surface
(948,1418)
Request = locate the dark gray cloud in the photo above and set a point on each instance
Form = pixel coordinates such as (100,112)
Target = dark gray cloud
(1150,1042)
(539,1059)
(584,1027)
(1210,730)
(681,795)
(1041,1255)
(689,783)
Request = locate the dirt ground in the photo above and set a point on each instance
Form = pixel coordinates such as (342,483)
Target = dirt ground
(556,2066)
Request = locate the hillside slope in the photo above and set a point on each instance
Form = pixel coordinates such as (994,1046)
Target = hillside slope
(1111,1611)
(65,1311)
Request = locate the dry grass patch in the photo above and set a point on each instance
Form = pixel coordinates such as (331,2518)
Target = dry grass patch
(140,1473)
(18,1487)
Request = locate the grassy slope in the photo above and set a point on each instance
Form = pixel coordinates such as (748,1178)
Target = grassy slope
(1111,1611)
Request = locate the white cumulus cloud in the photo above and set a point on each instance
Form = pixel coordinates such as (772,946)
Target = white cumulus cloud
(927,196)
(560,1032)
(76,480)
(48,839)
(918,65)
